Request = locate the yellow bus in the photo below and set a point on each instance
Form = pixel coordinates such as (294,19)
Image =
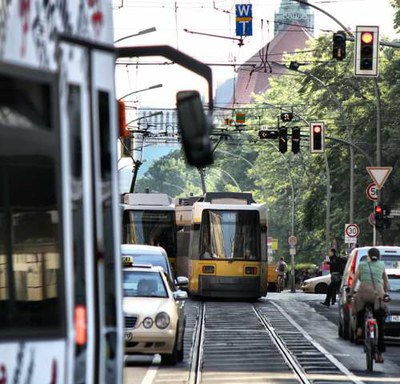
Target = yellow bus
(222,245)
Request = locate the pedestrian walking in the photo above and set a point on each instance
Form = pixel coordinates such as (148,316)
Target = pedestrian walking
(336,266)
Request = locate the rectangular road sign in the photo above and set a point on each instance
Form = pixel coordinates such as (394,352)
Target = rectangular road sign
(244,20)
(350,240)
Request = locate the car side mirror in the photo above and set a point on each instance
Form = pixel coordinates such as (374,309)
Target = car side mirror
(182,282)
(195,128)
(180,295)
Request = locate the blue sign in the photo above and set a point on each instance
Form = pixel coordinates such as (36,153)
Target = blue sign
(244,20)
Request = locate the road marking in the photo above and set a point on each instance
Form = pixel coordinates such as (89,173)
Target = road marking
(152,371)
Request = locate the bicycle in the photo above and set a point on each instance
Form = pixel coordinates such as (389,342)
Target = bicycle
(370,337)
(280,283)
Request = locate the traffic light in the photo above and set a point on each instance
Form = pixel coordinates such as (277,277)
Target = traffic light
(268,134)
(386,219)
(339,45)
(287,116)
(295,139)
(378,216)
(317,137)
(283,139)
(366,51)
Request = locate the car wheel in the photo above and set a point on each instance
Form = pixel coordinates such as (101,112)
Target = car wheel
(352,330)
(346,331)
(172,358)
(180,353)
(321,288)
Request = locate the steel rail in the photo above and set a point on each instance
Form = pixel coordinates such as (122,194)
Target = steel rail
(336,363)
(285,351)
(196,356)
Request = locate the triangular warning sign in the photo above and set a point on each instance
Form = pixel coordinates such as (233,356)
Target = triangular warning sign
(379,175)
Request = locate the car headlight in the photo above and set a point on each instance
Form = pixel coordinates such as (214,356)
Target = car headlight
(162,320)
(148,322)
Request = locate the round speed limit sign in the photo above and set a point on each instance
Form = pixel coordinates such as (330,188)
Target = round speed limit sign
(352,230)
(372,192)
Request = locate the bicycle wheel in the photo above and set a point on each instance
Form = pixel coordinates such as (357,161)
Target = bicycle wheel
(280,284)
(369,355)
(369,341)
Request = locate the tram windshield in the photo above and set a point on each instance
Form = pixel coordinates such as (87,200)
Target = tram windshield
(230,235)
(151,228)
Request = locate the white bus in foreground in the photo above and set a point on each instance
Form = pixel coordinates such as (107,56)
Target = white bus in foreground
(61,318)
(60,279)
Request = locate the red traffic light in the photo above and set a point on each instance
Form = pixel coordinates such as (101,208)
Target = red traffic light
(317,129)
(367,37)
(378,210)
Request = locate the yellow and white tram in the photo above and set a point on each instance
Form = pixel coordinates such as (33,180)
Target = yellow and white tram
(223,245)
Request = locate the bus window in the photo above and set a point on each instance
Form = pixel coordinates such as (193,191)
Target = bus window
(31,297)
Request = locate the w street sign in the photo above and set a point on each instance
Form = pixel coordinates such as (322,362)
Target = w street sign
(244,20)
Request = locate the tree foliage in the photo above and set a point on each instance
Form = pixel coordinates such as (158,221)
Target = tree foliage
(296,187)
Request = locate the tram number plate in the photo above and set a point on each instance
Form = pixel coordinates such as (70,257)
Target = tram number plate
(394,318)
(128,336)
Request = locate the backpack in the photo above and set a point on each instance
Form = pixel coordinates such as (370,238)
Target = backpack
(281,267)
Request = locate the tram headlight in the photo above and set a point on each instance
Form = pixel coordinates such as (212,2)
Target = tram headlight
(162,320)
(148,322)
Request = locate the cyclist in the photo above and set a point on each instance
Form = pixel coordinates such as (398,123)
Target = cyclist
(372,279)
(281,269)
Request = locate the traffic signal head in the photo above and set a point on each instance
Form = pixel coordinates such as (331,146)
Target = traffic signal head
(366,51)
(317,137)
(339,45)
(295,139)
(378,210)
(283,139)
(287,116)
(268,134)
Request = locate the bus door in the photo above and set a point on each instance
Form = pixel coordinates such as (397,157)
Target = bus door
(89,140)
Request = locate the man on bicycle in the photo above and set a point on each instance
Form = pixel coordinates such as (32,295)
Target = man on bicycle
(373,281)
(281,269)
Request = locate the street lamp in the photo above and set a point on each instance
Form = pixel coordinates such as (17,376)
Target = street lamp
(148,30)
(141,90)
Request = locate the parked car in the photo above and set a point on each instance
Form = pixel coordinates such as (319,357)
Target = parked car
(347,322)
(317,284)
(154,255)
(154,313)
(392,326)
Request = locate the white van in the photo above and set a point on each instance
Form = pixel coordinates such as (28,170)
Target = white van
(389,254)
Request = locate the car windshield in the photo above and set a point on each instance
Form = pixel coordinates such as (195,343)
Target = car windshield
(143,284)
(152,259)
(394,283)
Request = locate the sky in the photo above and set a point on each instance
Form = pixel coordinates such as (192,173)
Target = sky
(171,18)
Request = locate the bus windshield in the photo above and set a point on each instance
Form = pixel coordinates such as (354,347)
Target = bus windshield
(151,228)
(230,235)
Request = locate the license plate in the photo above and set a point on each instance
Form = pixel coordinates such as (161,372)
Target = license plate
(128,336)
(393,319)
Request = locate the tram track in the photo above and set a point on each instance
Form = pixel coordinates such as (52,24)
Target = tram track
(257,343)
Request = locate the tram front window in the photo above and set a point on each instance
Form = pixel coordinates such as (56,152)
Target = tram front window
(151,228)
(230,235)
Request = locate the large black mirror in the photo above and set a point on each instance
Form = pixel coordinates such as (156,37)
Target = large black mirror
(195,128)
